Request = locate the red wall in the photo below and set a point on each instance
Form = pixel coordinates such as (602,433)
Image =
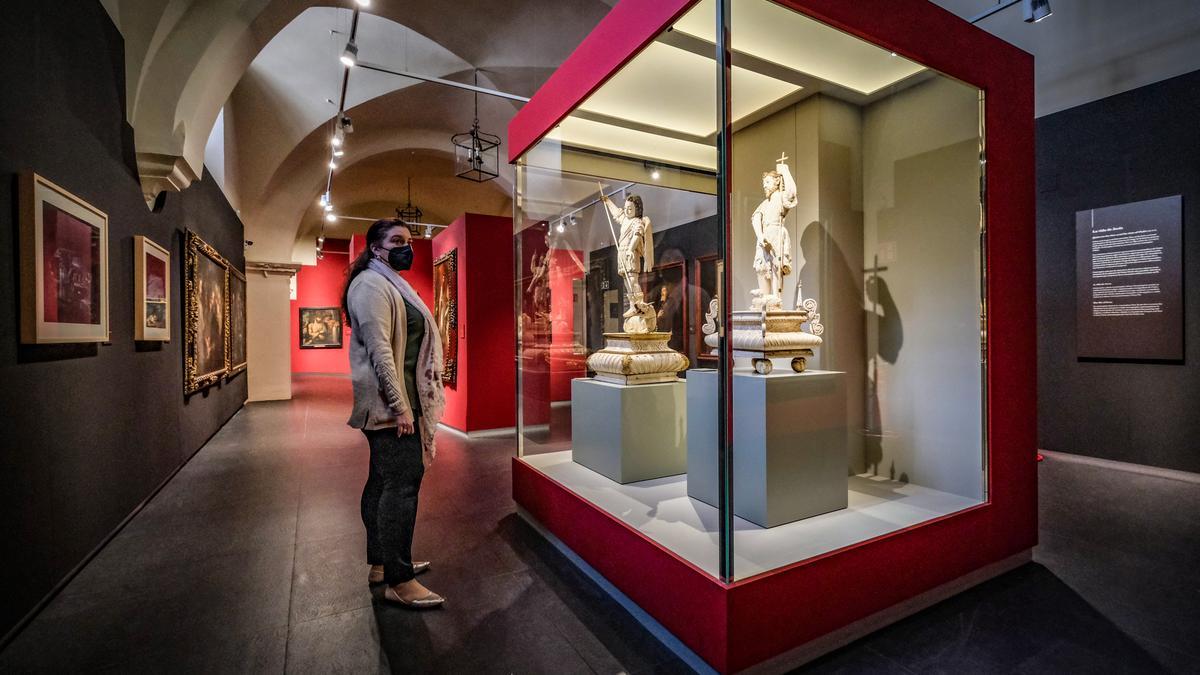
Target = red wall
(484,395)
(320,285)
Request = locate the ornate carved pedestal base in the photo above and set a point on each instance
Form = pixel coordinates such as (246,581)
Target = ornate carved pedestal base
(637,358)
(763,336)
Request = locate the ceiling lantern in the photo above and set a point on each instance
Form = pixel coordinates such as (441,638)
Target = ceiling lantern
(476,152)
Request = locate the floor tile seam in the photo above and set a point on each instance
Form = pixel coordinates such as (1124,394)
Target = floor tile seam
(297,624)
(292,582)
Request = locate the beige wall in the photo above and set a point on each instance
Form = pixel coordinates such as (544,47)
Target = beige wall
(921,216)
(268,345)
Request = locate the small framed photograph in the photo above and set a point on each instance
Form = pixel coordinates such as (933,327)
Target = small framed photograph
(64,265)
(320,328)
(236,349)
(151,291)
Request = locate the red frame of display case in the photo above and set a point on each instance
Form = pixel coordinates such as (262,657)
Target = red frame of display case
(734,626)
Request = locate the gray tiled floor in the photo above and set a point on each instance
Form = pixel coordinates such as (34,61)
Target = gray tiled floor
(250,560)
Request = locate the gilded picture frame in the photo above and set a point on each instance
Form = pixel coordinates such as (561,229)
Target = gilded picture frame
(151,291)
(64,265)
(445,312)
(235,319)
(205,330)
(321,328)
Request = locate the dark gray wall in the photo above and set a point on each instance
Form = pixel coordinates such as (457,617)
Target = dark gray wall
(89,431)
(1138,145)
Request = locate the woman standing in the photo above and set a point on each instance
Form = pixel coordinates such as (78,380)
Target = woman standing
(396,366)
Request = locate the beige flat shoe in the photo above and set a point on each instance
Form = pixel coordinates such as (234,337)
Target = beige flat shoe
(430,601)
(375,576)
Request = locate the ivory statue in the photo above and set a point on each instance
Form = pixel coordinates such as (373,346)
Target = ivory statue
(773,247)
(635,254)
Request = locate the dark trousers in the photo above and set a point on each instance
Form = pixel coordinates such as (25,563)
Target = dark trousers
(389,501)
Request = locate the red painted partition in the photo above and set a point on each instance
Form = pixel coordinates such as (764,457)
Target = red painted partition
(320,285)
(566,266)
(484,394)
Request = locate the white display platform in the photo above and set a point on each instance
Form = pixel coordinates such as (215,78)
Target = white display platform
(661,510)
(790,443)
(629,433)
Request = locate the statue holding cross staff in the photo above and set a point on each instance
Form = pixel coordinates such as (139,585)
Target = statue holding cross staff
(773,247)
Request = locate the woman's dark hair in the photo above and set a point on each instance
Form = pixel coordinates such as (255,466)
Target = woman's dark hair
(637,204)
(375,236)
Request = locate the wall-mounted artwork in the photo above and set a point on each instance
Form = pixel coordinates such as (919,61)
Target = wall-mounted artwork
(236,346)
(665,289)
(151,291)
(206,288)
(64,265)
(320,328)
(445,311)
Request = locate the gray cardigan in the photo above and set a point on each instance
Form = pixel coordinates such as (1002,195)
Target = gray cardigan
(378,333)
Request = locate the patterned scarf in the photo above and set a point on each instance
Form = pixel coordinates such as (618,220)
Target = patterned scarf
(429,360)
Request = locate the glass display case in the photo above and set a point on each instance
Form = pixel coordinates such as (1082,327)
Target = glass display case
(752,286)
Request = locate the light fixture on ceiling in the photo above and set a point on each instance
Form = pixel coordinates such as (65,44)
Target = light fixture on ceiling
(363,3)
(429,232)
(339,137)
(1036,10)
(560,228)
(330,217)
(350,55)
(409,213)
(346,124)
(332,164)
(338,152)
(476,153)
(654,174)
(324,201)
(321,240)
(328,207)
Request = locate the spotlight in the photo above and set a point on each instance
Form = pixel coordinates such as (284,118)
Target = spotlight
(1036,10)
(429,232)
(328,207)
(338,152)
(324,201)
(654,174)
(339,137)
(363,3)
(350,55)
(330,218)
(320,241)
(560,228)
(346,124)
(332,164)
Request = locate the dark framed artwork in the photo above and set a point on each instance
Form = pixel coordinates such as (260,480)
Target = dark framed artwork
(665,288)
(151,291)
(206,317)
(704,289)
(320,328)
(235,346)
(445,312)
(64,265)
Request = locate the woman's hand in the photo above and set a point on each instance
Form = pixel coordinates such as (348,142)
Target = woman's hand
(404,424)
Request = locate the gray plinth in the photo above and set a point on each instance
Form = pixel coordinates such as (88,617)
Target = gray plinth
(629,432)
(790,443)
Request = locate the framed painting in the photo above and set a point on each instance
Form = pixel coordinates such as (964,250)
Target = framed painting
(235,347)
(704,289)
(665,288)
(206,291)
(445,312)
(151,291)
(64,265)
(320,328)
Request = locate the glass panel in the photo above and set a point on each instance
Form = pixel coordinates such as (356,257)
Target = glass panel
(616,242)
(855,212)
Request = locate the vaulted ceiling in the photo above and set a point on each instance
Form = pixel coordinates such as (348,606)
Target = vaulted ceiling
(239,88)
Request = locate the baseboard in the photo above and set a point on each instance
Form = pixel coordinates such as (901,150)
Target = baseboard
(1128,467)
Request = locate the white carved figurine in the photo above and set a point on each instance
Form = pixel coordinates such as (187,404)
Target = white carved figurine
(773,248)
(635,254)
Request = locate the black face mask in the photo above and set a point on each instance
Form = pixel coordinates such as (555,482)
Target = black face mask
(400,258)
